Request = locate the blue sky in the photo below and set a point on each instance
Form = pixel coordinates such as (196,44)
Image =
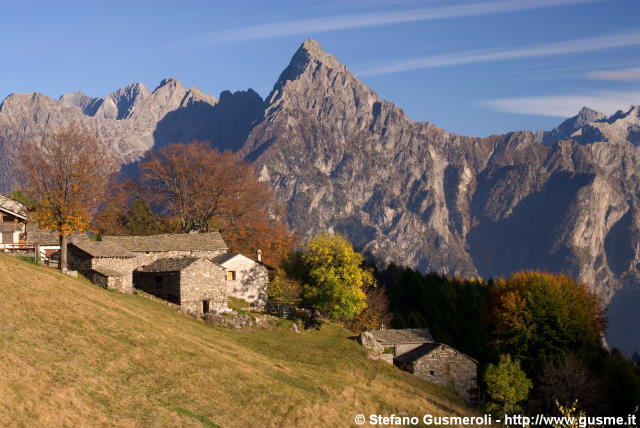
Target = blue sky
(471,67)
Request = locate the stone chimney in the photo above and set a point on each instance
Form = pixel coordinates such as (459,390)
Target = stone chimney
(259,256)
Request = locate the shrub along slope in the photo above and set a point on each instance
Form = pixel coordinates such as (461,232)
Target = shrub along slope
(72,354)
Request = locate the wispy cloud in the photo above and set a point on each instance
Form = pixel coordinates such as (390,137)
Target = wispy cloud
(627,74)
(587,44)
(565,105)
(377,19)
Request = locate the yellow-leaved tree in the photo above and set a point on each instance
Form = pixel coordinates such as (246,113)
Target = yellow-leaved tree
(65,173)
(334,277)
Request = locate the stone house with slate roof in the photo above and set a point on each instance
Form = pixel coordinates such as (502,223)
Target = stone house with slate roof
(444,366)
(196,284)
(177,267)
(402,341)
(107,265)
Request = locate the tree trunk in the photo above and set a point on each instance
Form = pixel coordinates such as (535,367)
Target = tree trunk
(63,252)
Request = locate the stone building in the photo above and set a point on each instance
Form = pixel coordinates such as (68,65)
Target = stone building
(105,264)
(402,341)
(18,232)
(444,366)
(13,219)
(247,279)
(196,284)
(175,267)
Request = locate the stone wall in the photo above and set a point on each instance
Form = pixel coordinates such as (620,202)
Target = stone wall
(165,285)
(122,284)
(80,261)
(252,280)
(447,367)
(202,280)
(116,264)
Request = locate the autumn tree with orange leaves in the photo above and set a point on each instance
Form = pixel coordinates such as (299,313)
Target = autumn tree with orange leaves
(210,190)
(65,173)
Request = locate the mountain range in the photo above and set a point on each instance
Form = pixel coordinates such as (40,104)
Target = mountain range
(342,159)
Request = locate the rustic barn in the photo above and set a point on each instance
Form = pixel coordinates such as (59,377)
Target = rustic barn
(196,284)
(401,341)
(444,366)
(105,264)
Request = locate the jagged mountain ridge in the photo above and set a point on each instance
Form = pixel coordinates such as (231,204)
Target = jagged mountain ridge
(132,119)
(343,159)
(590,126)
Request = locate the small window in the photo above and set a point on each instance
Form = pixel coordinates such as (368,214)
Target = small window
(231,275)
(432,373)
(205,306)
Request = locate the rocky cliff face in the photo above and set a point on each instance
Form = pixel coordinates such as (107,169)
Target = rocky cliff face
(409,192)
(343,159)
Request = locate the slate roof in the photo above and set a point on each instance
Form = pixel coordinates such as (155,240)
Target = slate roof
(49,237)
(170,242)
(396,337)
(169,264)
(221,258)
(13,207)
(103,249)
(426,349)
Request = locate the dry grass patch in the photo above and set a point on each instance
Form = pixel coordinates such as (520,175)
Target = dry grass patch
(76,355)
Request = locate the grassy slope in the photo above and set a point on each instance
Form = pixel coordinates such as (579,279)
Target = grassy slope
(72,354)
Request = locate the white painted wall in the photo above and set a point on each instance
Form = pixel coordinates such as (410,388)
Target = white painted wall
(252,280)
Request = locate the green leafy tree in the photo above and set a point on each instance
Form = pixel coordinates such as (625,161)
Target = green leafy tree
(284,290)
(334,277)
(140,219)
(507,384)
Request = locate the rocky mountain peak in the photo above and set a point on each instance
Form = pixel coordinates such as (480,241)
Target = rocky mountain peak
(587,114)
(87,104)
(309,55)
(169,82)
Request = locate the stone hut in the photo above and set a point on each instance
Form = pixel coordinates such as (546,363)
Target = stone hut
(247,279)
(107,265)
(175,267)
(444,366)
(401,341)
(196,284)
